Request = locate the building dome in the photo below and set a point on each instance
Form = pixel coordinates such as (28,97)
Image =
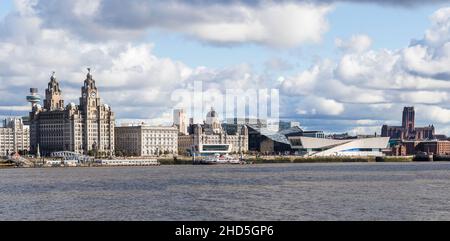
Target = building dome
(212,113)
(213,122)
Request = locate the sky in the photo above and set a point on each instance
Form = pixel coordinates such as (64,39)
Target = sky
(340,66)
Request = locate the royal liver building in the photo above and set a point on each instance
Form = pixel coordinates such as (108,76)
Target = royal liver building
(86,128)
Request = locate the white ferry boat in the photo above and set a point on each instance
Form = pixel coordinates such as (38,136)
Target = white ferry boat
(71,163)
(129,162)
(53,163)
(218,159)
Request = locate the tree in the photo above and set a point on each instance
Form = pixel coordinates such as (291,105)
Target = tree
(91,153)
(118,153)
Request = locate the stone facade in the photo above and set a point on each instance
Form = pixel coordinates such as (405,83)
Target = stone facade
(14,137)
(146,140)
(211,132)
(84,128)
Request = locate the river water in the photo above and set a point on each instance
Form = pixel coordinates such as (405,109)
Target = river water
(346,191)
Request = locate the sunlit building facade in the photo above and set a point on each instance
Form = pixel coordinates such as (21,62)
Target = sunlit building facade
(84,128)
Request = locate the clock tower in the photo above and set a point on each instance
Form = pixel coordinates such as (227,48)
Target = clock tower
(98,120)
(89,94)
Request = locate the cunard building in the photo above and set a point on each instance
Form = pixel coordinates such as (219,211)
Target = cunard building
(85,128)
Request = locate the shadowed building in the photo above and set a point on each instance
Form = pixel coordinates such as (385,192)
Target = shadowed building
(430,147)
(408,130)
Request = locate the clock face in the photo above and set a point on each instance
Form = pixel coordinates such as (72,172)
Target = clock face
(84,95)
(93,94)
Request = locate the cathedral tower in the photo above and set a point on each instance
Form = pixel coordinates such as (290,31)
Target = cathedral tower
(408,118)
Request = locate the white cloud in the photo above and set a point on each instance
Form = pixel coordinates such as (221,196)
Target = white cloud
(362,85)
(302,84)
(375,84)
(366,122)
(364,130)
(431,56)
(435,114)
(15,108)
(86,8)
(313,105)
(272,24)
(424,97)
(131,78)
(438,34)
(279,24)
(357,43)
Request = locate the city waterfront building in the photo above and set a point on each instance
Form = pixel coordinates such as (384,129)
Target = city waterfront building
(431,147)
(180,120)
(247,121)
(270,142)
(314,134)
(408,130)
(233,125)
(284,125)
(212,133)
(87,128)
(309,146)
(142,140)
(14,137)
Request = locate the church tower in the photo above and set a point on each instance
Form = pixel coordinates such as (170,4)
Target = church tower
(53,95)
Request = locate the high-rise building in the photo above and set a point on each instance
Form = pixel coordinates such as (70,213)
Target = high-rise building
(179,120)
(408,130)
(14,137)
(84,128)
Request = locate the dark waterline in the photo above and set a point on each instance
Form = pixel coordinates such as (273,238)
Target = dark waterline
(345,191)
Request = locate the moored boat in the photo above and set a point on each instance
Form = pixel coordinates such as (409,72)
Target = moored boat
(218,159)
